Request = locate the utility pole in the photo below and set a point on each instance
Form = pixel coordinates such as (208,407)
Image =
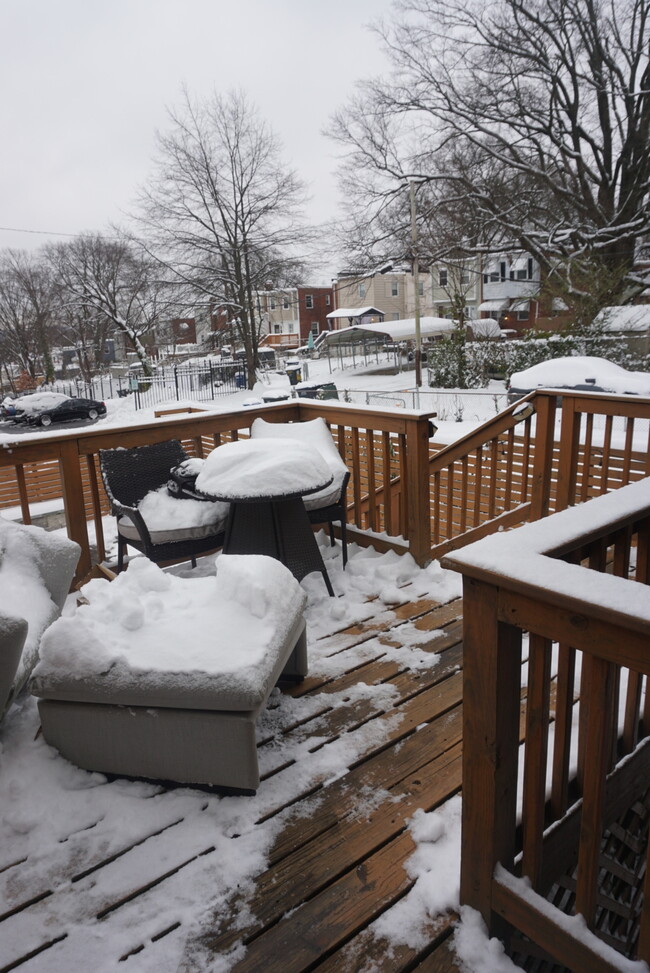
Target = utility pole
(416,284)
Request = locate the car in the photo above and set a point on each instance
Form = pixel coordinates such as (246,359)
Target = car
(44,408)
(580,374)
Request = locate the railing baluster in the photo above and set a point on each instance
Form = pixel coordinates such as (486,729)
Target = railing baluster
(463,494)
(386,477)
(478,487)
(596,699)
(627,452)
(537,710)
(507,495)
(372,492)
(586,456)
(607,445)
(450,502)
(563,726)
(492,490)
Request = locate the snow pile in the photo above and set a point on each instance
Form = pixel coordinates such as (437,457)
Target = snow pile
(151,630)
(258,468)
(435,866)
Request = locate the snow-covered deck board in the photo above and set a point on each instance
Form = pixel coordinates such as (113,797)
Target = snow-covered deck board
(336,861)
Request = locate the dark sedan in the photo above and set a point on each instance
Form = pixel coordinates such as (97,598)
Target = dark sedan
(44,413)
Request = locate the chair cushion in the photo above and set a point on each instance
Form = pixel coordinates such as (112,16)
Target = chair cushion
(150,638)
(313,433)
(170,519)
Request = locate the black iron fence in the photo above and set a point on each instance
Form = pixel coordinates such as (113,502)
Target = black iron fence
(198,381)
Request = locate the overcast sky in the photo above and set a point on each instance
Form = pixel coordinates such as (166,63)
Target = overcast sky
(85,84)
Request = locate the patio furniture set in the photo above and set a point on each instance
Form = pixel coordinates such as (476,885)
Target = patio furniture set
(191,720)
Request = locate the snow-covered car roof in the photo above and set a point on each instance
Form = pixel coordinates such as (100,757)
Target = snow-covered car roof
(30,404)
(581,371)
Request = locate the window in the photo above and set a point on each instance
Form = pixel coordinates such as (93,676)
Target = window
(421,288)
(442,277)
(362,290)
(327,300)
(272,303)
(309,302)
(277,329)
(314,328)
(395,315)
(285,302)
(464,277)
(394,288)
(522,315)
(522,274)
(530,268)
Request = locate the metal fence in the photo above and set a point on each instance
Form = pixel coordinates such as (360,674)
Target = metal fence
(201,382)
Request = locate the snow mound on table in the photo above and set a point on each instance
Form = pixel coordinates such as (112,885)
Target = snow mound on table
(257,468)
(153,629)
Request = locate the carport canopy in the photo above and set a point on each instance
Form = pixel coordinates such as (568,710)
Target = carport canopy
(393,331)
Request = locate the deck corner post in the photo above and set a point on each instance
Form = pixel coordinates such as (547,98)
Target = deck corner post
(418,515)
(491,702)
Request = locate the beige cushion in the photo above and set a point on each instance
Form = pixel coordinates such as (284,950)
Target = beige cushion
(313,433)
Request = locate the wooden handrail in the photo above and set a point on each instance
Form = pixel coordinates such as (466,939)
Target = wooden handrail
(361,433)
(540,579)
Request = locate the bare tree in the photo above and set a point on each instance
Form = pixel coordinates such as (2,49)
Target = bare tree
(222,210)
(105,279)
(532,114)
(26,296)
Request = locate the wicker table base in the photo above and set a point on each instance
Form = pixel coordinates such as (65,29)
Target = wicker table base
(280,528)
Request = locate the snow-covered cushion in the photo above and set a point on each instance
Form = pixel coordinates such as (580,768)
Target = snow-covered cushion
(313,433)
(149,638)
(36,570)
(171,519)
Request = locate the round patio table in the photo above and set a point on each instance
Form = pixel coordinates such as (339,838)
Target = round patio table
(264,483)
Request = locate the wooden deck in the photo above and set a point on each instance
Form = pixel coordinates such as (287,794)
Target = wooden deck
(337,860)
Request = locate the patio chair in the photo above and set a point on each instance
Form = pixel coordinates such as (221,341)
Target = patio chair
(328,505)
(129,476)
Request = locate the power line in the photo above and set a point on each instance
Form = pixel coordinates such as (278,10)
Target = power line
(15,229)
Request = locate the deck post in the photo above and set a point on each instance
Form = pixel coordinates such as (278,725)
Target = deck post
(543,459)
(491,690)
(418,514)
(73,503)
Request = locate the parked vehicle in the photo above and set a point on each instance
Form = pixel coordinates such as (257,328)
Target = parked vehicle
(580,374)
(44,408)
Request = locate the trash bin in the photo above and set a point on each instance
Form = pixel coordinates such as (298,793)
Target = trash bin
(240,380)
(294,374)
(317,390)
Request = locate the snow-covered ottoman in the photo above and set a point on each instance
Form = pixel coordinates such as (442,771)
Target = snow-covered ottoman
(164,677)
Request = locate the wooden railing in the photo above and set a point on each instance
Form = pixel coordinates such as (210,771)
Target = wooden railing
(406,492)
(576,582)
(387,452)
(536,457)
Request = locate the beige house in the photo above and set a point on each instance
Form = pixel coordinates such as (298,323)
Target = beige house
(387,291)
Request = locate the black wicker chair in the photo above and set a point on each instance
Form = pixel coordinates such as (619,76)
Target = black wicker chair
(315,433)
(129,475)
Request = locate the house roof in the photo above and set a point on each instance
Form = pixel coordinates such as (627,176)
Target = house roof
(353,312)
